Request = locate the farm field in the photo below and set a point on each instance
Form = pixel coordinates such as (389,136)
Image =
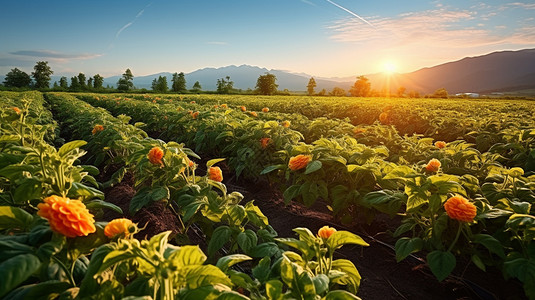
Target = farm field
(440,190)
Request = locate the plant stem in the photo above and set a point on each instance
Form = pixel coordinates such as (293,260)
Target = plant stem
(456,237)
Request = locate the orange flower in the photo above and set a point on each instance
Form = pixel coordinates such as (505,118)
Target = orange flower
(440,144)
(433,165)
(17,110)
(195,115)
(67,216)
(192,102)
(358,130)
(286,124)
(383,117)
(215,174)
(254,114)
(118,227)
(216,106)
(153,101)
(97,129)
(325,232)
(224,106)
(155,155)
(265,142)
(458,208)
(298,162)
(243,108)
(265,109)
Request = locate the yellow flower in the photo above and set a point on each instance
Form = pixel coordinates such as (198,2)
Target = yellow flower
(325,232)
(215,174)
(224,106)
(155,155)
(97,129)
(286,124)
(118,227)
(299,162)
(458,208)
(67,216)
(433,165)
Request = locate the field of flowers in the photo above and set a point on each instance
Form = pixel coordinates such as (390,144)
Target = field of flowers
(457,177)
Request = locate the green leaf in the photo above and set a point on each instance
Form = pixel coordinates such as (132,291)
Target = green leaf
(342,237)
(14,217)
(214,161)
(272,168)
(478,262)
(48,288)
(29,189)
(290,193)
(340,295)
(274,289)
(187,256)
(89,284)
(98,204)
(65,149)
(255,215)
(261,271)
(492,244)
(247,240)
(352,276)
(227,261)
(220,237)
(264,250)
(140,199)
(16,270)
(405,246)
(441,263)
(203,275)
(306,285)
(321,283)
(313,166)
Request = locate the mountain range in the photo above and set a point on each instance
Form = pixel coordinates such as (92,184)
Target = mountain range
(503,71)
(495,72)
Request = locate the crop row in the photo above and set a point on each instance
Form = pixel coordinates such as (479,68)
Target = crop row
(455,200)
(121,265)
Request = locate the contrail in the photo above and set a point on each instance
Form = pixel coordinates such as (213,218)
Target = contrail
(350,12)
(132,22)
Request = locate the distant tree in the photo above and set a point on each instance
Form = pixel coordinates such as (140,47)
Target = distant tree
(41,74)
(98,81)
(81,80)
(440,93)
(337,92)
(55,86)
(63,83)
(179,83)
(160,85)
(414,94)
(311,85)
(401,91)
(323,92)
(265,84)
(361,88)
(125,83)
(90,83)
(196,87)
(75,84)
(17,78)
(225,85)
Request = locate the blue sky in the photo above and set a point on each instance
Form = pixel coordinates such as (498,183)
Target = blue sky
(324,38)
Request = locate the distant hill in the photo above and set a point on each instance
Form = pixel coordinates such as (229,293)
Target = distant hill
(505,71)
(494,72)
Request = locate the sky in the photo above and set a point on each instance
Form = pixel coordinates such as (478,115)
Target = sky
(322,38)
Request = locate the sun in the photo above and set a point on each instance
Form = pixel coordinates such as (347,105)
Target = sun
(389,67)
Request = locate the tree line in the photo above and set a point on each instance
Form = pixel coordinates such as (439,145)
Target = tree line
(265,85)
